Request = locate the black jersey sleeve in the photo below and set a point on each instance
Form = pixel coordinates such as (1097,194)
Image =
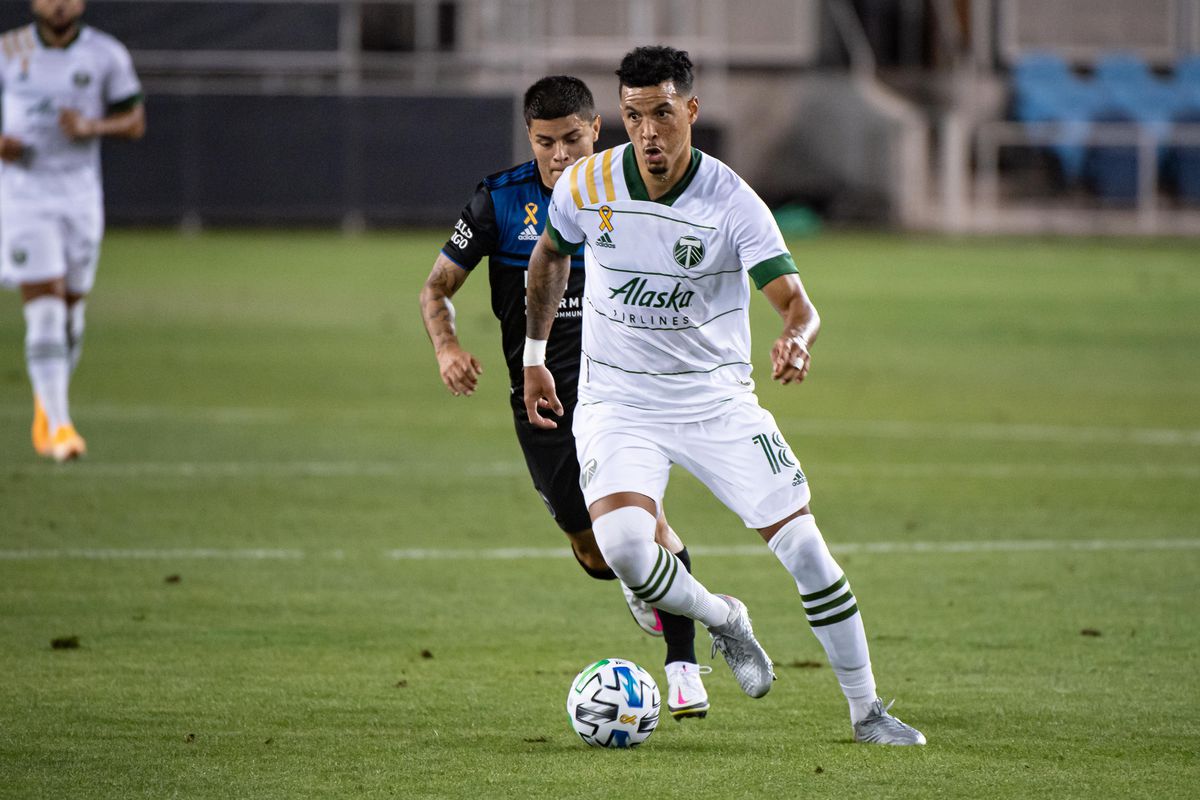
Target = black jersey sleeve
(476,233)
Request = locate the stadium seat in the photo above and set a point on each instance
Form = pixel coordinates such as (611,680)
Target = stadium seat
(1127,84)
(1112,170)
(1046,90)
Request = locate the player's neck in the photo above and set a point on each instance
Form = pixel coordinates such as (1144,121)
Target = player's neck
(659,185)
(61,39)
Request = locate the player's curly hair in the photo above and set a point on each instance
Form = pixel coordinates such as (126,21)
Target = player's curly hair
(653,64)
(558,96)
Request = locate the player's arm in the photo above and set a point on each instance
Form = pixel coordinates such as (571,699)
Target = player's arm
(549,270)
(124,121)
(790,353)
(459,369)
(11,149)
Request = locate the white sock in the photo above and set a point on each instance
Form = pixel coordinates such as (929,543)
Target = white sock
(75,325)
(626,538)
(830,608)
(46,355)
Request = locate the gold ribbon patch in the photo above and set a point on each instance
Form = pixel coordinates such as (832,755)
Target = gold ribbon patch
(606,218)
(530,214)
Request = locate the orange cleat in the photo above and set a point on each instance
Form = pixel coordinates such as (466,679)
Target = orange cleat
(67,445)
(41,428)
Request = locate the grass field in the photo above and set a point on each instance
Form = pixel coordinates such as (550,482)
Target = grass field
(1003,439)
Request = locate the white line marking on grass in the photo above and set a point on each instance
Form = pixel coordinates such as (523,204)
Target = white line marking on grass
(996,546)
(527,553)
(151,554)
(517,553)
(879,429)
(999,431)
(501,469)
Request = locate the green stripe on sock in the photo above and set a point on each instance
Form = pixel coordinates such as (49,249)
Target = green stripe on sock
(832,604)
(847,614)
(670,582)
(824,592)
(639,589)
(662,574)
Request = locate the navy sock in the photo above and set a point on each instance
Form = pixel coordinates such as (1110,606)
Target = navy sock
(679,632)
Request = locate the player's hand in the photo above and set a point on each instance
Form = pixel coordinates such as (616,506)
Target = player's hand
(75,125)
(11,149)
(789,359)
(459,369)
(540,395)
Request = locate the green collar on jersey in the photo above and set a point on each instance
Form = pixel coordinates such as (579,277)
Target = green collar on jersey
(637,186)
(37,29)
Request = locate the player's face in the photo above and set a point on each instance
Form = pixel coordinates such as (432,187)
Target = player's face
(559,143)
(659,121)
(58,15)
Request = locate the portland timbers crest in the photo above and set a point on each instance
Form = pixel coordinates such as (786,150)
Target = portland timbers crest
(81,79)
(688,251)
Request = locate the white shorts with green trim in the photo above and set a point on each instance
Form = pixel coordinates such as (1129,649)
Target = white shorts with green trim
(39,244)
(739,454)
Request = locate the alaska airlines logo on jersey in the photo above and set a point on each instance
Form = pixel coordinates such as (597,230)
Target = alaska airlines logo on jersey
(634,293)
(81,79)
(688,251)
(45,106)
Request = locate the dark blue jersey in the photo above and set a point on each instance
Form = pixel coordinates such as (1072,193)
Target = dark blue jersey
(503,221)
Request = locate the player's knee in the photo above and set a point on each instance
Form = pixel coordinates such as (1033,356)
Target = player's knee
(626,539)
(45,321)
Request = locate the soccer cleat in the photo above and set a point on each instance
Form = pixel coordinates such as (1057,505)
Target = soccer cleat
(735,640)
(880,727)
(67,445)
(686,696)
(41,428)
(645,615)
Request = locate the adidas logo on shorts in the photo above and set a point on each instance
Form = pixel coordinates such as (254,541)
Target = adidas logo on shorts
(799,479)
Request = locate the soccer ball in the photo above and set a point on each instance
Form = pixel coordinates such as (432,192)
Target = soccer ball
(613,703)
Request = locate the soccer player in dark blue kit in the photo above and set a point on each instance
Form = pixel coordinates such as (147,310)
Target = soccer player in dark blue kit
(503,221)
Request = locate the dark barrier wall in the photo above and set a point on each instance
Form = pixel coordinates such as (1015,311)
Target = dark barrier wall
(279,159)
(204,26)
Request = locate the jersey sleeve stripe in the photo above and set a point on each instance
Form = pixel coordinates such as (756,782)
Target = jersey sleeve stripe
(589,172)
(767,271)
(610,193)
(575,185)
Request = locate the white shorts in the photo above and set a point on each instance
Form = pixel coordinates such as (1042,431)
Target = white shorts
(43,244)
(740,455)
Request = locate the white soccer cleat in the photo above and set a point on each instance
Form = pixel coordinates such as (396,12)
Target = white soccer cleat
(880,727)
(645,615)
(735,640)
(686,695)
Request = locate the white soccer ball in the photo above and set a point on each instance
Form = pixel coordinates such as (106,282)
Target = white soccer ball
(613,703)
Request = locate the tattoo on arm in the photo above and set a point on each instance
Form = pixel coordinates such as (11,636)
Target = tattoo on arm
(548,274)
(436,309)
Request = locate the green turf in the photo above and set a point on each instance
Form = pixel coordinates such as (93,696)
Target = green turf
(274,394)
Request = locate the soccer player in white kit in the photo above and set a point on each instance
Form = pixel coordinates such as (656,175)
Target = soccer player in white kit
(670,235)
(64,86)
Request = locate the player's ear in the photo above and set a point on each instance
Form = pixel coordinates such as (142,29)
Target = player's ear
(693,107)
(596,129)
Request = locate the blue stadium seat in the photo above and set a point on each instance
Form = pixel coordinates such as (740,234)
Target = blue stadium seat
(1187,85)
(1112,170)
(1127,84)
(1046,90)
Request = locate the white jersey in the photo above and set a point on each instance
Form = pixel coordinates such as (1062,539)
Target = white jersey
(91,75)
(666,321)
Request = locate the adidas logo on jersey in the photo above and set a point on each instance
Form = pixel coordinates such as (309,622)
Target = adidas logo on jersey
(604,240)
(530,234)
(799,479)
